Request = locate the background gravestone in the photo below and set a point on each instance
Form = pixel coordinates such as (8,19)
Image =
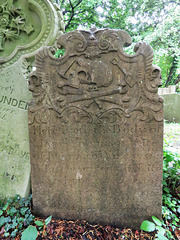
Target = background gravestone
(96,130)
(25,26)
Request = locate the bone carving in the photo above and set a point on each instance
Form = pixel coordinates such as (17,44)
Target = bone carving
(96,78)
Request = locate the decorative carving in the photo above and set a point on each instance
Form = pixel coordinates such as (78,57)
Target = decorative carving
(26,68)
(19,20)
(97,78)
(13,20)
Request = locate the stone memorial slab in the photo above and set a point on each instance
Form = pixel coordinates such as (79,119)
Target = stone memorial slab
(25,26)
(96,130)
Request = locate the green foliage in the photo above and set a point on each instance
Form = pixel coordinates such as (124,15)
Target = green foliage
(151,227)
(48,220)
(39,223)
(171,188)
(78,12)
(157,22)
(165,40)
(30,233)
(148,226)
(164,61)
(59,53)
(15,214)
(44,224)
(157,221)
(171,178)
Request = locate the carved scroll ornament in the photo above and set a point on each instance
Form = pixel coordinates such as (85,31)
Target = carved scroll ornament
(96,79)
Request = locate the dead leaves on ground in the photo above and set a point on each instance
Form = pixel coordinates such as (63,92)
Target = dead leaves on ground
(75,230)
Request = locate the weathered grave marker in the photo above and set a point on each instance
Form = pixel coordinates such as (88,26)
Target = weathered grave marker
(96,130)
(25,26)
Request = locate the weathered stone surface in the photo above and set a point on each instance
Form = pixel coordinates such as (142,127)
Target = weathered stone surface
(25,26)
(171,107)
(14,144)
(96,130)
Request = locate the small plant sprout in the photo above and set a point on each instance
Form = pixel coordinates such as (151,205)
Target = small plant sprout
(43,225)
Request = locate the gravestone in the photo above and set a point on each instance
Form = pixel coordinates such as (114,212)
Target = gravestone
(96,130)
(25,26)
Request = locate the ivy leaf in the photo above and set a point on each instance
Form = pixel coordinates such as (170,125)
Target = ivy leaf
(30,233)
(8,227)
(161,230)
(6,234)
(157,221)
(2,221)
(5,207)
(166,189)
(148,226)
(13,234)
(23,211)
(14,225)
(7,219)
(12,211)
(20,219)
(161,237)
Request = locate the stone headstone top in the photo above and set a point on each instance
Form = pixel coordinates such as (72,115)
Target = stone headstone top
(96,130)
(96,71)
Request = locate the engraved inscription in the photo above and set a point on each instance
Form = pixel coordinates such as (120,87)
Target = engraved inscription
(14,102)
